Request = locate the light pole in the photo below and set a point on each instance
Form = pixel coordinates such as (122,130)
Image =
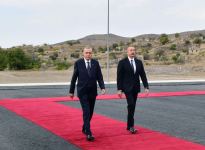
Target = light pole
(108,22)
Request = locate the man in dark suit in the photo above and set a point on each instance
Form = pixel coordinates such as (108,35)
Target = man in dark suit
(128,72)
(88,73)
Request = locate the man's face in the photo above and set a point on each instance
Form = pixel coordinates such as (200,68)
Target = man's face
(131,52)
(87,53)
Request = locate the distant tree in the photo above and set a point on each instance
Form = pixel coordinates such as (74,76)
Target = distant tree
(176,35)
(185,51)
(128,43)
(164,39)
(102,50)
(69,43)
(36,64)
(197,41)
(18,60)
(75,55)
(62,65)
(3,60)
(114,45)
(163,58)
(187,42)
(133,40)
(77,42)
(149,45)
(122,44)
(173,47)
(158,54)
(41,50)
(112,56)
(178,59)
(54,56)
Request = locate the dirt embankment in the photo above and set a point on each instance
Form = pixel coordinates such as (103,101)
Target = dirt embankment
(160,72)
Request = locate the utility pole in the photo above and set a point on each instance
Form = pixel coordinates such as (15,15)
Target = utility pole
(108,33)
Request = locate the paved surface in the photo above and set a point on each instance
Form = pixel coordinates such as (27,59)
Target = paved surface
(17,133)
(183,117)
(61,90)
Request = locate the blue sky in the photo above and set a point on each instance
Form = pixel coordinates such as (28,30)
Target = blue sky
(52,21)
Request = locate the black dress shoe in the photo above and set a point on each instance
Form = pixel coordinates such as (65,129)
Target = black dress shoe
(90,138)
(132,130)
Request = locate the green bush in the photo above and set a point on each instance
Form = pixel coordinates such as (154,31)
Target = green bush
(113,56)
(3,60)
(187,42)
(178,59)
(75,55)
(176,35)
(114,45)
(18,60)
(36,64)
(62,65)
(102,50)
(133,40)
(158,54)
(173,47)
(54,56)
(41,50)
(197,41)
(164,39)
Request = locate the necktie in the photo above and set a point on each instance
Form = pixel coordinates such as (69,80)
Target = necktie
(132,65)
(88,68)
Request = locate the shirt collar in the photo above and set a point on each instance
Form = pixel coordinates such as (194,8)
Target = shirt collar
(131,59)
(87,60)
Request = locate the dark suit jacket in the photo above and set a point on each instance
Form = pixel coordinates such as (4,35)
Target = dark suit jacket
(84,80)
(127,81)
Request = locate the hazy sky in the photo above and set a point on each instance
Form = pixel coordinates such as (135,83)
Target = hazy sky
(51,21)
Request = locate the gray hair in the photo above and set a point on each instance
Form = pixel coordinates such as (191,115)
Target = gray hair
(87,47)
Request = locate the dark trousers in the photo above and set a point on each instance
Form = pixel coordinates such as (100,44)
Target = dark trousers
(131,103)
(87,102)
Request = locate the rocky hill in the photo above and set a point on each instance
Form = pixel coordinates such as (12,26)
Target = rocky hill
(153,49)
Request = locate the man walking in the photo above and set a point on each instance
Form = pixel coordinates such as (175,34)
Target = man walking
(128,72)
(88,73)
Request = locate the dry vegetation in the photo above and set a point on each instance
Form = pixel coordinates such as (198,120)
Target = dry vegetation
(174,56)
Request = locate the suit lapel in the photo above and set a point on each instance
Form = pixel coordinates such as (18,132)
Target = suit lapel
(84,66)
(92,66)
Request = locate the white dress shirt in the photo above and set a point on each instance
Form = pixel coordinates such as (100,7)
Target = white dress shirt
(133,62)
(86,62)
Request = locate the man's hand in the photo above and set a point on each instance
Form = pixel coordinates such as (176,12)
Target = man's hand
(146,92)
(71,95)
(119,92)
(102,91)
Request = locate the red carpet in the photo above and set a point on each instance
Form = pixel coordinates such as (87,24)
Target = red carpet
(66,122)
(115,96)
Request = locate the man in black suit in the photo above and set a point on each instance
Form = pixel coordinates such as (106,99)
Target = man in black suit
(128,72)
(88,73)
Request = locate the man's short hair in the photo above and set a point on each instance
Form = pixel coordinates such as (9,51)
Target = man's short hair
(130,46)
(87,47)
